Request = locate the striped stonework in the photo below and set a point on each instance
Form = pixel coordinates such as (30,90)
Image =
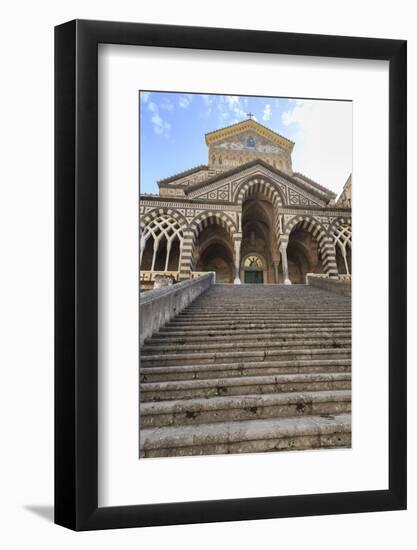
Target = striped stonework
(324,241)
(216,212)
(160,213)
(308,224)
(271,191)
(328,253)
(207,218)
(186,255)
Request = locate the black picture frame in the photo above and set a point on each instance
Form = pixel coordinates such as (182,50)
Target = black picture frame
(76,272)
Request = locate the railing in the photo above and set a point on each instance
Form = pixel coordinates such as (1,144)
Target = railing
(196,274)
(341,276)
(160,305)
(149,276)
(340,285)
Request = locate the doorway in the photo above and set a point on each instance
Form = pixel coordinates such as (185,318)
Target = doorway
(254,277)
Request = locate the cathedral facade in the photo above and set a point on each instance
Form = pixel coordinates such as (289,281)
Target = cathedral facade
(246,215)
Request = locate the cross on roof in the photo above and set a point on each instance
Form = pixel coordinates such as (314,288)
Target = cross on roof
(250,115)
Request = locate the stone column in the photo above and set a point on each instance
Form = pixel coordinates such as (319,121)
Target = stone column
(275,263)
(169,243)
(328,253)
(283,250)
(238,243)
(186,250)
(141,248)
(155,252)
(343,249)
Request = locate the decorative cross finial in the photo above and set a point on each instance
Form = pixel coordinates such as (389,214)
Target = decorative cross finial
(250,115)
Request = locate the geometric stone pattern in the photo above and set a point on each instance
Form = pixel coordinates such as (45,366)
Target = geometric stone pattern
(297,202)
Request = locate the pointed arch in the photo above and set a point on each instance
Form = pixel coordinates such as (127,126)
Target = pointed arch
(341,232)
(321,235)
(270,189)
(209,217)
(160,212)
(161,229)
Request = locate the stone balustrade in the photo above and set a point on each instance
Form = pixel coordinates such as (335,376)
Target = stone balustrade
(159,306)
(340,285)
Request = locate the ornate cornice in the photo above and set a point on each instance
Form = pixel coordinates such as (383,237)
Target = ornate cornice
(243,170)
(202,205)
(249,125)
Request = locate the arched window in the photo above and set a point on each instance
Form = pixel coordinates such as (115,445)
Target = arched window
(253,261)
(250,142)
(342,235)
(166,236)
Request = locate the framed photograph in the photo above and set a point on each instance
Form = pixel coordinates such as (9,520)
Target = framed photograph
(230,337)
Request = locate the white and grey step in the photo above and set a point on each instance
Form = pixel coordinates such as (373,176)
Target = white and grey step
(246,407)
(238,356)
(242,369)
(250,436)
(241,345)
(190,328)
(202,335)
(185,337)
(278,315)
(248,385)
(269,361)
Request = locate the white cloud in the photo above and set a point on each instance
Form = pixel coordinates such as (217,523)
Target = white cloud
(322,131)
(184,100)
(153,107)
(160,126)
(230,106)
(145,96)
(267,112)
(167,105)
(207,99)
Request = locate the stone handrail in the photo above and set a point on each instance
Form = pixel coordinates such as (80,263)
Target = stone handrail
(339,286)
(146,276)
(158,306)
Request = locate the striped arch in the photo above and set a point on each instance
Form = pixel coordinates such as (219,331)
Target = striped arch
(341,232)
(161,212)
(260,185)
(324,240)
(158,228)
(204,220)
(309,224)
(208,217)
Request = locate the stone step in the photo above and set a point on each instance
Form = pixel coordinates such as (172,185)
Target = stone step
(242,369)
(249,436)
(189,389)
(175,326)
(241,345)
(241,335)
(236,334)
(247,407)
(265,315)
(266,305)
(215,302)
(256,323)
(239,356)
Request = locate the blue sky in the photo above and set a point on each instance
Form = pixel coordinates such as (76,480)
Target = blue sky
(172,128)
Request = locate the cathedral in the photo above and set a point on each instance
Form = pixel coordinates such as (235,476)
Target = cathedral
(245,215)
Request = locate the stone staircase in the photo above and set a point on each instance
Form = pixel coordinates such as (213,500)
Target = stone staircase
(248,368)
